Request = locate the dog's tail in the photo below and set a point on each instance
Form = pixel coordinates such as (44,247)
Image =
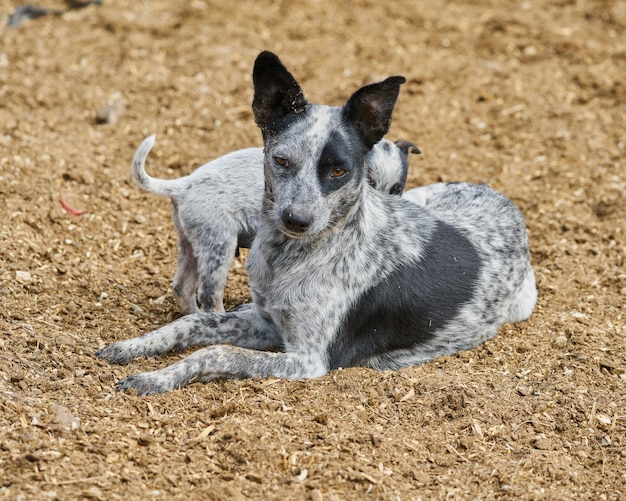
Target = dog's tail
(140,176)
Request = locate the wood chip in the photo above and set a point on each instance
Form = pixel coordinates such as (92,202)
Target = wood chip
(204,433)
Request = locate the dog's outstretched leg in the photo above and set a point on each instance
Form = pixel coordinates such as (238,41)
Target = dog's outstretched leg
(244,331)
(228,361)
(241,327)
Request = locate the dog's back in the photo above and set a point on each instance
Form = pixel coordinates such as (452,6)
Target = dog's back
(496,227)
(229,174)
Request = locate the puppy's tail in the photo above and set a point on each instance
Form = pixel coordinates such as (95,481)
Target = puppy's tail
(140,176)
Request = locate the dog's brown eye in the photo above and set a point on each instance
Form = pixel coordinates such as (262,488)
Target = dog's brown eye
(338,172)
(281,161)
(370,181)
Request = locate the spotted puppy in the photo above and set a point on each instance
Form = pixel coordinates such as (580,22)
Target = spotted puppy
(215,210)
(342,275)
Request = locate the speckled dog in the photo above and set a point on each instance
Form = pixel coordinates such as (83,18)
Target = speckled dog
(342,275)
(215,210)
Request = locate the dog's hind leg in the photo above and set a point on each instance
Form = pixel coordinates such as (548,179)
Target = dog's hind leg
(524,304)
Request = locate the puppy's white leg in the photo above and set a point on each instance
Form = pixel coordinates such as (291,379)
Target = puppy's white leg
(215,255)
(242,327)
(185,280)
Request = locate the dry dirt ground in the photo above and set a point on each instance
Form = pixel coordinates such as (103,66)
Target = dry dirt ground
(527,96)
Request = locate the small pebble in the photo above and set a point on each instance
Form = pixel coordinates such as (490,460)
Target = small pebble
(316,495)
(64,417)
(160,300)
(604,421)
(23,277)
(543,444)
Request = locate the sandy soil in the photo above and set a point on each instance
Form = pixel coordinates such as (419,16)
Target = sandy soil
(528,96)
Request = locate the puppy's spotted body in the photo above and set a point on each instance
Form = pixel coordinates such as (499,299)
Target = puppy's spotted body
(342,275)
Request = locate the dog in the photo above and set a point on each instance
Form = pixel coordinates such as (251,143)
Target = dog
(342,275)
(215,210)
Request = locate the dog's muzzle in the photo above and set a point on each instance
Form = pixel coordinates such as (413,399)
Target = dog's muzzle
(296,222)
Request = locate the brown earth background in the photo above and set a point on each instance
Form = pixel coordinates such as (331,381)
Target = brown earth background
(527,96)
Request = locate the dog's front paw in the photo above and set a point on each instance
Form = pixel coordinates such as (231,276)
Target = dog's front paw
(146,383)
(118,353)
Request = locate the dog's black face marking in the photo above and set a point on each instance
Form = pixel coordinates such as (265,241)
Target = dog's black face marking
(410,305)
(336,166)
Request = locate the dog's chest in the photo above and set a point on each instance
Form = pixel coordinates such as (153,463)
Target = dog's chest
(298,287)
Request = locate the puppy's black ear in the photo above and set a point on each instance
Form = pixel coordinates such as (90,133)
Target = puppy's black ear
(369,109)
(407,147)
(276,92)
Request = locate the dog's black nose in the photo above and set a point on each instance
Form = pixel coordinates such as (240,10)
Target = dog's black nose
(298,223)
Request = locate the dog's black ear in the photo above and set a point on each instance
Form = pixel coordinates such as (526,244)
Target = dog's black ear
(407,147)
(369,109)
(276,92)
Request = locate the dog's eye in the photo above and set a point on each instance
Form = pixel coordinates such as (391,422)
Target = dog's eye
(396,189)
(283,162)
(370,181)
(338,172)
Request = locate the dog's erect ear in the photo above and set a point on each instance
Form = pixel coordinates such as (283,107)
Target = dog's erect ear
(369,109)
(407,147)
(276,92)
